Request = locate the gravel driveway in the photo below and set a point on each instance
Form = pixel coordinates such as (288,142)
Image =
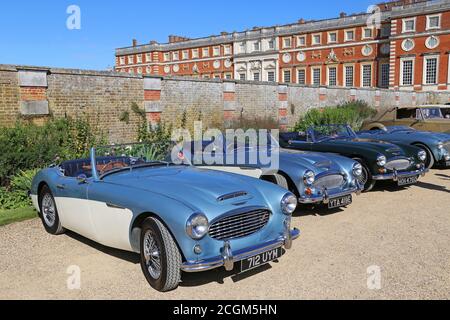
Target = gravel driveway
(404,234)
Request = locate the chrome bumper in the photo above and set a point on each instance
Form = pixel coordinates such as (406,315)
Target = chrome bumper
(326,196)
(228,258)
(396,175)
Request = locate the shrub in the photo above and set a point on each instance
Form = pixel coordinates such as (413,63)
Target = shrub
(28,146)
(16,195)
(352,113)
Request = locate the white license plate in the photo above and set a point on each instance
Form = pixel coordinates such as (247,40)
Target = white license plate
(408,181)
(340,202)
(261,259)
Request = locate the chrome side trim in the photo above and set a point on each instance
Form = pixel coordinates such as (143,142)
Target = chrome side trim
(228,258)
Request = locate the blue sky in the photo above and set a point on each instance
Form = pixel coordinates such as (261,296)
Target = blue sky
(35,33)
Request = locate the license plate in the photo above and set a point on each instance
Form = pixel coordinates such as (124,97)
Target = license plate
(407,181)
(261,259)
(340,202)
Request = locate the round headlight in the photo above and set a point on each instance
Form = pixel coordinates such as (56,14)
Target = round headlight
(309,177)
(289,204)
(197,226)
(440,145)
(422,155)
(381,161)
(357,169)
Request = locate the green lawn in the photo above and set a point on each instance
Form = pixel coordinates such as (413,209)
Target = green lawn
(16,215)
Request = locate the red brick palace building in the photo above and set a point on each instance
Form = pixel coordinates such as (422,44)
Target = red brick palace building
(402,45)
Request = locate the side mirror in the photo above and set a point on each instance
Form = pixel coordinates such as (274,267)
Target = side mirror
(82,178)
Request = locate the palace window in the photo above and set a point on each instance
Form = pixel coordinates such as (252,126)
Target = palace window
(256,76)
(227,50)
(332,76)
(407,72)
(316,39)
(409,25)
(185,54)
(205,52)
(139,58)
(349,76)
(148,57)
(434,22)
(271,76)
(332,37)
(194,53)
(367,33)
(228,76)
(301,76)
(287,42)
(175,56)
(167,56)
(130,60)
(349,35)
(316,76)
(216,51)
(301,41)
(242,76)
(256,46)
(367,75)
(431,70)
(384,81)
(122,60)
(271,44)
(287,76)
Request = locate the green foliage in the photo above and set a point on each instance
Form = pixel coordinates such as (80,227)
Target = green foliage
(16,215)
(28,146)
(352,113)
(16,195)
(158,136)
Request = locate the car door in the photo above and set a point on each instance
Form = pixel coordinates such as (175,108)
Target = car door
(73,207)
(110,214)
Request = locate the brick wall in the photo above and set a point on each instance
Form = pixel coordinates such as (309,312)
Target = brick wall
(40,93)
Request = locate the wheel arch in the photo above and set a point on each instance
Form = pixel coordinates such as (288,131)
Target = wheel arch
(271,178)
(136,227)
(422,144)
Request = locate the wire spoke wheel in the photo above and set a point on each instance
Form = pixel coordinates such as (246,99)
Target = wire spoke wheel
(49,210)
(152,255)
(364,177)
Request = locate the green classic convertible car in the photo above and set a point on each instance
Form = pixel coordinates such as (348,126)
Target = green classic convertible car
(380,160)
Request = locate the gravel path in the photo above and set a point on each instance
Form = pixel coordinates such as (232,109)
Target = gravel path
(405,233)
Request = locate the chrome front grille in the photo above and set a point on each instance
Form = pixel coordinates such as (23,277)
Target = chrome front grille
(399,164)
(239,225)
(331,181)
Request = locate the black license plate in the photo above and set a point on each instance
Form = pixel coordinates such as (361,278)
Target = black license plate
(261,259)
(408,181)
(340,202)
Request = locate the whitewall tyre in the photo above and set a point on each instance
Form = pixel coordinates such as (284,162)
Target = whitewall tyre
(160,256)
(49,212)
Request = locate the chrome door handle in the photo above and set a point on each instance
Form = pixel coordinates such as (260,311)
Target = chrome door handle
(61,186)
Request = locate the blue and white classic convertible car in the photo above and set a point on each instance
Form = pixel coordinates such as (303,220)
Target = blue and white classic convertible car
(435,144)
(179,218)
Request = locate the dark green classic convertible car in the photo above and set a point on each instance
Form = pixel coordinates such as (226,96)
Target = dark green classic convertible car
(380,160)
